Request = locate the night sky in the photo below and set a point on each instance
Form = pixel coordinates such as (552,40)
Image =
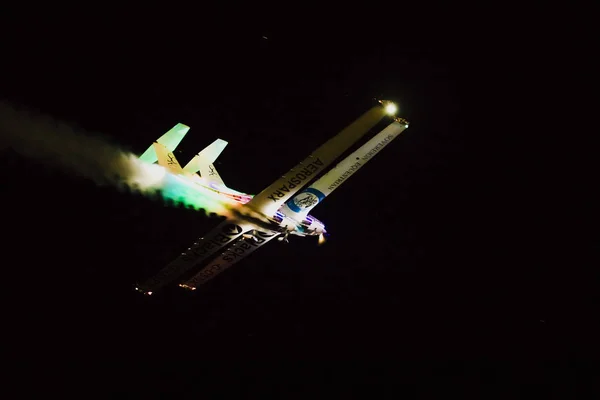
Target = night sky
(436,251)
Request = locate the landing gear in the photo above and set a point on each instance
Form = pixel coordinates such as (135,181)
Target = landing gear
(284,238)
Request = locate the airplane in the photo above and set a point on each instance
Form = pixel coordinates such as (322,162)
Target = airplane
(279,210)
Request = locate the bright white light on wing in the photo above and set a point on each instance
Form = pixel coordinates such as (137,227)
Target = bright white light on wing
(391,108)
(406,126)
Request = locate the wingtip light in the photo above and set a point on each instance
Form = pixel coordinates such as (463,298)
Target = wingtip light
(390,107)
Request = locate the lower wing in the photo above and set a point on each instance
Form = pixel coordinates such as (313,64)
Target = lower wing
(224,234)
(243,247)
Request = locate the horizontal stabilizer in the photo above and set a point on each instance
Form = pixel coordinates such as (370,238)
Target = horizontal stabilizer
(170,140)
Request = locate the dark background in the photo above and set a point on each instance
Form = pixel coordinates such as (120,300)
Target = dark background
(439,249)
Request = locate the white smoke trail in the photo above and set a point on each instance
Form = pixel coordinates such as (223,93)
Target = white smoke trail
(55,143)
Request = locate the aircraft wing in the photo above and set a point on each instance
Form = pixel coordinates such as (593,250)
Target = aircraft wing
(270,199)
(300,205)
(224,234)
(241,248)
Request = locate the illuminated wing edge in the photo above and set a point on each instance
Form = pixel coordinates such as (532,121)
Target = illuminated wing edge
(241,248)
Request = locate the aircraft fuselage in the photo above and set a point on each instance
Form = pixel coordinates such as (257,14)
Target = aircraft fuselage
(309,226)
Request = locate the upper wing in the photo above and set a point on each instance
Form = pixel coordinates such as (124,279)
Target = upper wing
(238,250)
(300,205)
(222,235)
(270,199)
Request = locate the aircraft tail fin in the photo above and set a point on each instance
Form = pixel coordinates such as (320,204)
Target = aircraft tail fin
(167,159)
(211,175)
(169,140)
(204,160)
